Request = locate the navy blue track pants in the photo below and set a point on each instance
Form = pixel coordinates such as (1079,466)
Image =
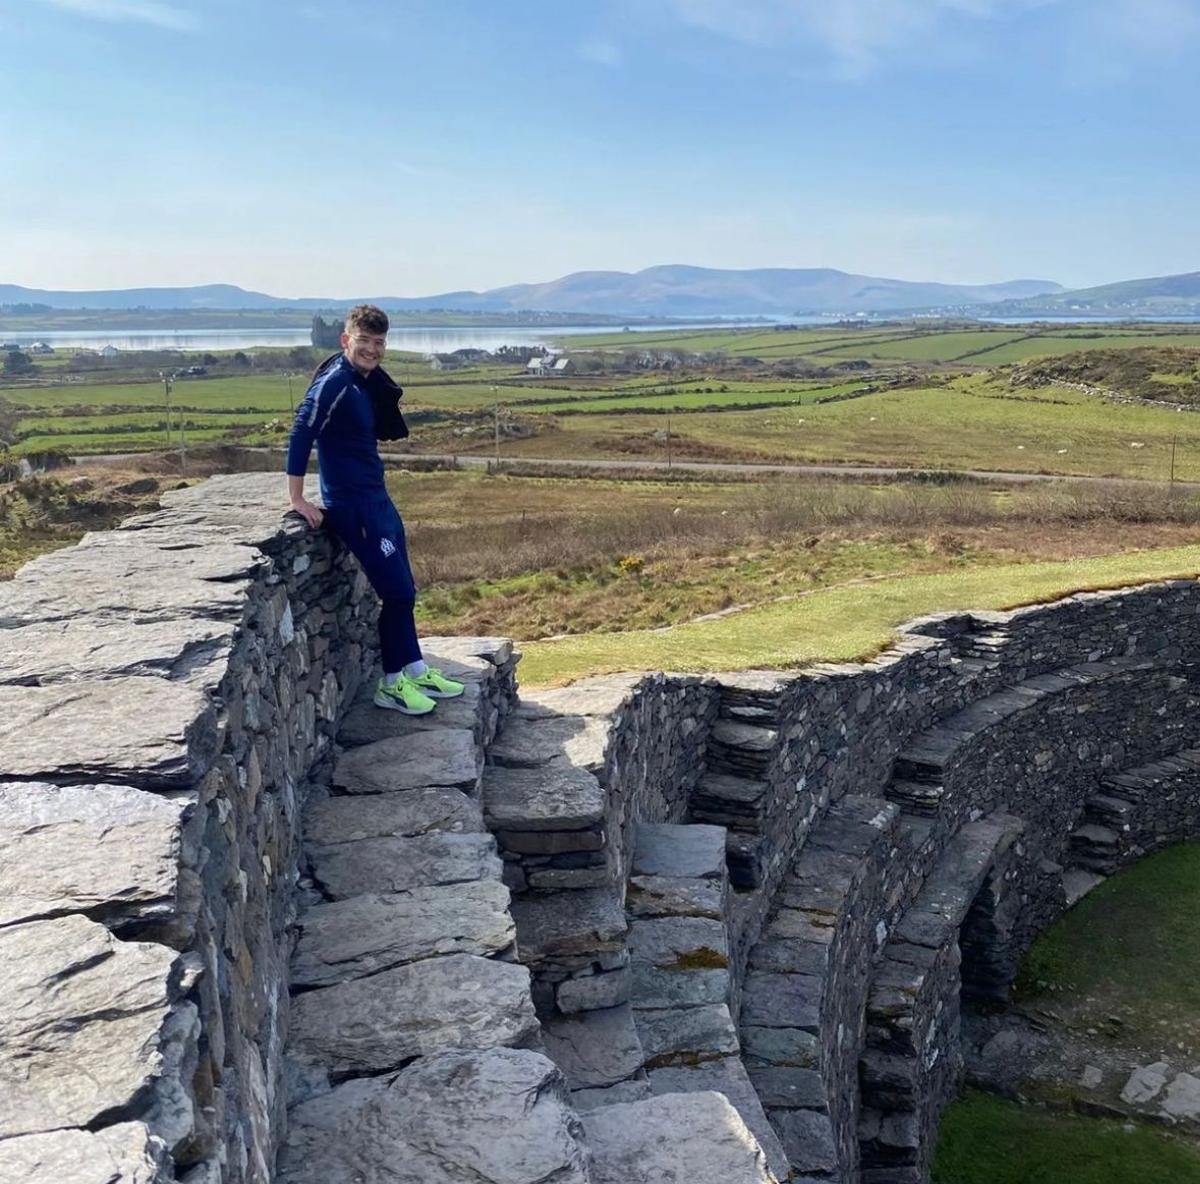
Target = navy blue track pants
(373,531)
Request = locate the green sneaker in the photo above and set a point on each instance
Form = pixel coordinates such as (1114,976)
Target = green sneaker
(436,685)
(403,695)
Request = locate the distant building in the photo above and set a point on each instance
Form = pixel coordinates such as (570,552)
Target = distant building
(109,351)
(40,347)
(445,362)
(563,367)
(536,366)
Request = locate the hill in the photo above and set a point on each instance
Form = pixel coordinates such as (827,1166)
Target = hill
(667,291)
(1158,296)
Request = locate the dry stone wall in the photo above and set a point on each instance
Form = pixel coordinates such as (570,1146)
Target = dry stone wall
(777,887)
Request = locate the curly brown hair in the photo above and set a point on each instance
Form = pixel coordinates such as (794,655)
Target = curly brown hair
(366,318)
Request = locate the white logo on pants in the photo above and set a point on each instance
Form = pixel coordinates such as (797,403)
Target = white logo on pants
(387,547)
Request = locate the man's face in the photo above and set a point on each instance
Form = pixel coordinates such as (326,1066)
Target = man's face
(364,350)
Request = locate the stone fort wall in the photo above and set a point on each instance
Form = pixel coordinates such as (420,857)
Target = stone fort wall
(895,833)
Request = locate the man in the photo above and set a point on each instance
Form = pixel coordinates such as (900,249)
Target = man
(351,403)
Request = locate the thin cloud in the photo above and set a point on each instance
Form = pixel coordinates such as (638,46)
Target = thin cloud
(855,34)
(144,12)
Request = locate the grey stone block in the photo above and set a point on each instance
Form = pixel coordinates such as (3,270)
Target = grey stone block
(594,1048)
(679,962)
(446,757)
(526,743)
(697,1137)
(551,797)
(405,814)
(373,1024)
(123,1154)
(692,852)
(499,1115)
(668,1033)
(352,938)
(401,864)
(584,923)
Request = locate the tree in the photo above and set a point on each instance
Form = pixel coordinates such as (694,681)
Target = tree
(16,362)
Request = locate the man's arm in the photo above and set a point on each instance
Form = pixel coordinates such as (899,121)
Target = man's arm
(311,514)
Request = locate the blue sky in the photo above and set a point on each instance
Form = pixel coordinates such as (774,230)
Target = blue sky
(408,148)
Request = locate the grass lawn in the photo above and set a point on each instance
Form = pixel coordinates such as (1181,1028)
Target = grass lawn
(985,1140)
(1093,963)
(970,423)
(846,623)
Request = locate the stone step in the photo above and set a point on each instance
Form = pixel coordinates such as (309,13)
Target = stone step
(376,1024)
(745,750)
(678,1035)
(679,962)
(595,1049)
(727,1076)
(344,870)
(495,1115)
(917,796)
(726,800)
(689,851)
(353,938)
(574,943)
(695,1137)
(447,757)
(1109,810)
(1096,838)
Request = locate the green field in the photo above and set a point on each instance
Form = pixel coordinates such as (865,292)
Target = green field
(846,623)
(985,1140)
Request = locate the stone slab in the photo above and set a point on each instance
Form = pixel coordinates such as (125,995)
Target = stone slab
(781,1000)
(493,1117)
(670,1033)
(679,962)
(366,724)
(594,1048)
(527,743)
(157,733)
(807,1139)
(401,815)
(192,650)
(727,1076)
(555,796)
(624,1091)
(567,925)
(352,938)
(448,757)
(81,1022)
(698,1138)
(374,1024)
(123,1154)
(603,695)
(108,850)
(402,864)
(667,896)
(593,992)
(696,851)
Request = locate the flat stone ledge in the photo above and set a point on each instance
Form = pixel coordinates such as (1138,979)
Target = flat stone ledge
(122,1154)
(107,850)
(149,731)
(374,1024)
(494,1117)
(527,743)
(698,1137)
(81,1023)
(564,925)
(693,851)
(353,938)
(448,757)
(402,864)
(366,724)
(390,815)
(555,796)
(594,1048)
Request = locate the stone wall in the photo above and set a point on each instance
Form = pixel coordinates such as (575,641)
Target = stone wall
(166,688)
(895,834)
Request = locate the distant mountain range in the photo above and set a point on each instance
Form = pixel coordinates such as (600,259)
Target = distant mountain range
(671,291)
(682,291)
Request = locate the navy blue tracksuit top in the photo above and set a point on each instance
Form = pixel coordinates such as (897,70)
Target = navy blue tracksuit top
(338,416)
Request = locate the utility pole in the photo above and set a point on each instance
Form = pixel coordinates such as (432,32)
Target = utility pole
(497,412)
(668,440)
(291,401)
(1174,440)
(167,382)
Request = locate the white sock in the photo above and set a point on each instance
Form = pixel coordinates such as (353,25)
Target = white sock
(390,679)
(416,669)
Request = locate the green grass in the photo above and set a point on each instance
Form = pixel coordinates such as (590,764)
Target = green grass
(1093,961)
(985,1140)
(847,623)
(708,396)
(1053,345)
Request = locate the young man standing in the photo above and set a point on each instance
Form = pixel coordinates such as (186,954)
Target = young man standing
(349,406)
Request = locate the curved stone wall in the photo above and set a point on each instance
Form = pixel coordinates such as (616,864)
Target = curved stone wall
(773,886)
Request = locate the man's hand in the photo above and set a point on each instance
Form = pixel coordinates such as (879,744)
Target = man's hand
(311,514)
